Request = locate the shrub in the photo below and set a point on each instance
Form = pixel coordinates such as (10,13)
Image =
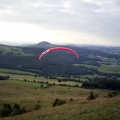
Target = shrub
(41,86)
(71,100)
(16,111)
(109,95)
(112,94)
(58,102)
(37,106)
(4,77)
(6,110)
(91,96)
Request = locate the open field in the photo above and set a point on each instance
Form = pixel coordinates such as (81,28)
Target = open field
(53,89)
(27,94)
(27,89)
(29,76)
(10,71)
(103,68)
(38,79)
(103,58)
(109,69)
(7,50)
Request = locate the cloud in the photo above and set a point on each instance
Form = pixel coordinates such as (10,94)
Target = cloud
(96,17)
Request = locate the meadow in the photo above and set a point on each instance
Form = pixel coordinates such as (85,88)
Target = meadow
(37,94)
(7,50)
(28,94)
(103,68)
(14,72)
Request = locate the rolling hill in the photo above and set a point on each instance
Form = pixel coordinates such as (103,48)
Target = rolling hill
(59,86)
(58,62)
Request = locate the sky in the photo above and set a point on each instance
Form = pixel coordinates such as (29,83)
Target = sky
(94,22)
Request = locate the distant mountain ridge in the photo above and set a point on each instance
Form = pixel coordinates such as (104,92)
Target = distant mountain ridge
(44,44)
(4,45)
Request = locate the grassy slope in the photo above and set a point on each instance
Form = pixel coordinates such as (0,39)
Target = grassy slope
(93,110)
(80,108)
(28,94)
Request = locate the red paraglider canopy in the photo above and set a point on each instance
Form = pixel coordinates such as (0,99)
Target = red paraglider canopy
(58,48)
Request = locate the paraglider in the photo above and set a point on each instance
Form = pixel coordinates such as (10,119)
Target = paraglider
(59,48)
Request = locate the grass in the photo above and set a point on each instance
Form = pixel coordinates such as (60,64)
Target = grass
(27,94)
(85,65)
(23,83)
(31,77)
(109,69)
(103,58)
(80,108)
(11,71)
(103,68)
(16,51)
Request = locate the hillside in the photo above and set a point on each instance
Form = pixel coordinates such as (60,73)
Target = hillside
(44,44)
(59,62)
(59,86)
(76,106)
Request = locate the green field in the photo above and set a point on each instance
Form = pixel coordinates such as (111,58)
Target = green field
(29,76)
(103,68)
(109,69)
(40,79)
(103,58)
(39,89)
(10,71)
(28,94)
(7,50)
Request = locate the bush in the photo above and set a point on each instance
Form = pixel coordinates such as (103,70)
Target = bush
(91,96)
(71,100)
(16,111)
(58,102)
(6,110)
(4,77)
(109,95)
(37,106)
(16,106)
(112,94)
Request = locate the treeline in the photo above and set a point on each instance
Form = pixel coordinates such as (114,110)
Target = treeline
(65,78)
(4,77)
(102,83)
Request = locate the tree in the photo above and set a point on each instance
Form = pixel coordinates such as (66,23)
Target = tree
(91,96)
(58,102)
(6,110)
(37,106)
